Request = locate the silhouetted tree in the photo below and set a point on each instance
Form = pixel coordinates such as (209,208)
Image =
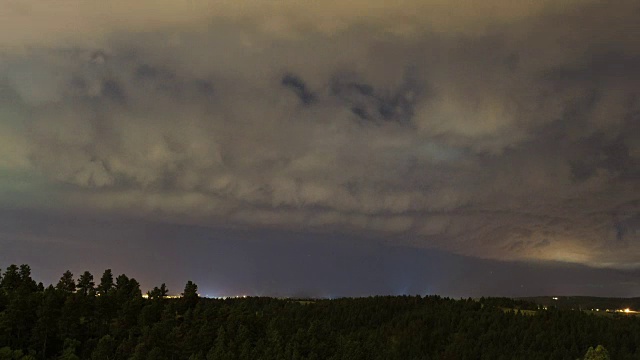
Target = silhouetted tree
(85,284)
(11,278)
(158,292)
(45,331)
(106,283)
(26,282)
(66,284)
(190,294)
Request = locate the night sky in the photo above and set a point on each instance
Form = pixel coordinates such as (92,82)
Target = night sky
(324,148)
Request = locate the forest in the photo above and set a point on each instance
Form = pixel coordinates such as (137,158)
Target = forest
(83,318)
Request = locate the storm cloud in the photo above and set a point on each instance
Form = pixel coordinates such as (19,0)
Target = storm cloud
(507,130)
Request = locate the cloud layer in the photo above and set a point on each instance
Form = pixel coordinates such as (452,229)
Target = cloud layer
(506,130)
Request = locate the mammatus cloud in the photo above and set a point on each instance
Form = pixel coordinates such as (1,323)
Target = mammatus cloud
(503,130)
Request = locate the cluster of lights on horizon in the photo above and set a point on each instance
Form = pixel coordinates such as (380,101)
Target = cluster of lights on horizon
(624,311)
(146,296)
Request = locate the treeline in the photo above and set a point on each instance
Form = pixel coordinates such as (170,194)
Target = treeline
(585,302)
(109,319)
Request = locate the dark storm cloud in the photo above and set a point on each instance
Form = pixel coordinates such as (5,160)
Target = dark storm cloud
(500,130)
(365,102)
(299,88)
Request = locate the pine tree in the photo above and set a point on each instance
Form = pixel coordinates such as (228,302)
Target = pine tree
(11,278)
(190,294)
(85,284)
(66,284)
(106,283)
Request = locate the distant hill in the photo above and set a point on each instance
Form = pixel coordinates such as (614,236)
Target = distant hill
(585,302)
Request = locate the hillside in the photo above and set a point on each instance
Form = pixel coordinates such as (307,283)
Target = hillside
(586,302)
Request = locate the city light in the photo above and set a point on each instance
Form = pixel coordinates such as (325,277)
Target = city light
(627,311)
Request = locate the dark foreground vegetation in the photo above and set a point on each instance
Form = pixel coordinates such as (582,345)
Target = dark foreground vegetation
(109,319)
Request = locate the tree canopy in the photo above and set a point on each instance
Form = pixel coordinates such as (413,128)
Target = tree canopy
(75,319)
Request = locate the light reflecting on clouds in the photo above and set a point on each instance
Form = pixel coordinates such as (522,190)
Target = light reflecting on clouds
(500,130)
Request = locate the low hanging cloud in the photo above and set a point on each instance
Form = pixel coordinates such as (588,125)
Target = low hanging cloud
(506,130)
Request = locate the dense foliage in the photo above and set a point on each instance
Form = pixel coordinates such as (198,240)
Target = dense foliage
(79,319)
